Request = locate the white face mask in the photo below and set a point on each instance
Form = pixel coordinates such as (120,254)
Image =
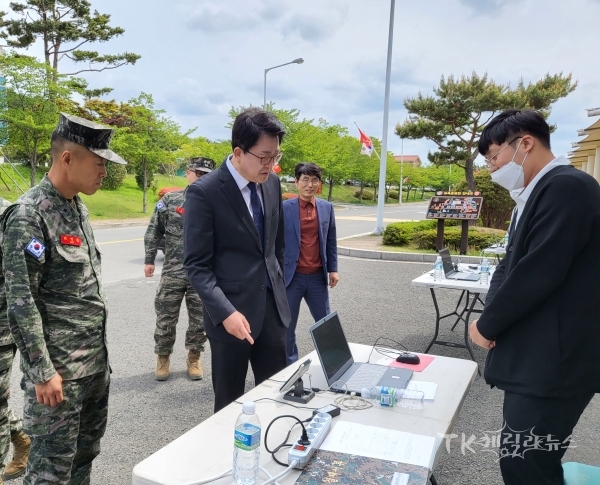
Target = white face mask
(511,176)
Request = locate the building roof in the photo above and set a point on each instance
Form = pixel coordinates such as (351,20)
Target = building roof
(407,158)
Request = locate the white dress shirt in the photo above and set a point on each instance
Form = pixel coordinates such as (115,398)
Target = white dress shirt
(520,196)
(242,183)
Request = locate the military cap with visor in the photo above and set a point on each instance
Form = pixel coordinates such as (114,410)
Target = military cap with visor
(93,136)
(201,164)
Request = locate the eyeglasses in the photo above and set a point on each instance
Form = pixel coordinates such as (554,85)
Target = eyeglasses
(307,181)
(490,161)
(266,160)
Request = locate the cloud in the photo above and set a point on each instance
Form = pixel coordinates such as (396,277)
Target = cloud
(217,18)
(314,30)
(487,7)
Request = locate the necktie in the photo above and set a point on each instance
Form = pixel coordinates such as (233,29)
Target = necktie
(257,213)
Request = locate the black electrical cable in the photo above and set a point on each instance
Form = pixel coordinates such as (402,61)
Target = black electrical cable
(303,440)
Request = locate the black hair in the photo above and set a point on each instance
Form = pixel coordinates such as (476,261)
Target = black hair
(307,168)
(513,123)
(251,124)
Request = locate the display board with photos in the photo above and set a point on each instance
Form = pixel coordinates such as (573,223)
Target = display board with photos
(455,205)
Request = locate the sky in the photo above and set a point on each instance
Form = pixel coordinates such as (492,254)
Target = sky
(201,57)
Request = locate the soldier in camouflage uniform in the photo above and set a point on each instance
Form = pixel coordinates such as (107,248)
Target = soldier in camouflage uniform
(11,427)
(57,308)
(167,222)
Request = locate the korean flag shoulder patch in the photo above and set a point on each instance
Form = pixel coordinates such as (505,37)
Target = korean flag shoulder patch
(160,205)
(35,248)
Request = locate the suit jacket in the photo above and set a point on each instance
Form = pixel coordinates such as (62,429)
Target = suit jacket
(543,307)
(327,237)
(223,256)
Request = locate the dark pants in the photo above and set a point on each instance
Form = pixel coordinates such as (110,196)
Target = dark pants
(230,358)
(532,453)
(313,288)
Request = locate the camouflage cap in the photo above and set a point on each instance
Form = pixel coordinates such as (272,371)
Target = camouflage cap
(202,164)
(94,136)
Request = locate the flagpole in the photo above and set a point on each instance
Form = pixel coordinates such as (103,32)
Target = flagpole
(386,113)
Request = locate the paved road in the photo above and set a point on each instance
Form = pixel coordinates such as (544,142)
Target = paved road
(374,298)
(123,248)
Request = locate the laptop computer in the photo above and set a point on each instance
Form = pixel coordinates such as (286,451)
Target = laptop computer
(341,372)
(451,273)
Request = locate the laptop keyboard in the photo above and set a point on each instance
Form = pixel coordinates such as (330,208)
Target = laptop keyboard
(365,376)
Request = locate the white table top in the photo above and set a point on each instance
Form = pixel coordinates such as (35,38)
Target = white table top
(426,280)
(499,250)
(207,449)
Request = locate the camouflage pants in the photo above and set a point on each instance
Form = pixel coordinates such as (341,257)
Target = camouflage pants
(9,423)
(65,439)
(169,295)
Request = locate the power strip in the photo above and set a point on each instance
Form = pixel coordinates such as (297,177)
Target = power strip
(317,429)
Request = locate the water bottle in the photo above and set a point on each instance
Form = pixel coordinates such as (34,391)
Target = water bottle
(484,277)
(246,451)
(505,241)
(438,269)
(389,396)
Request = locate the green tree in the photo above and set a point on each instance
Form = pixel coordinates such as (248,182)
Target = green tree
(147,139)
(30,106)
(64,27)
(459,110)
(203,147)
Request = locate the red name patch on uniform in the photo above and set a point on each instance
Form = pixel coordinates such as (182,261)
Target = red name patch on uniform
(180,210)
(70,240)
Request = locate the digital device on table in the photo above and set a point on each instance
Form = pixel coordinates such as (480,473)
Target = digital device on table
(453,274)
(341,372)
(294,387)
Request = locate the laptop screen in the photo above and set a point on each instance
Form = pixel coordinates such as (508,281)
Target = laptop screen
(446,261)
(332,347)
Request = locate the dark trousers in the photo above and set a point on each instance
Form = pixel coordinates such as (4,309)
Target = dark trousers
(313,288)
(230,358)
(532,453)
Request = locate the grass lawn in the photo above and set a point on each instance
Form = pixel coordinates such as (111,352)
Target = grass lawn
(124,203)
(344,194)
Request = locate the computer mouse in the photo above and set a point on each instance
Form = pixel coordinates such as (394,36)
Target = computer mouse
(408,358)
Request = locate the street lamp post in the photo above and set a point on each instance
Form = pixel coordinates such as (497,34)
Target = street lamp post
(295,61)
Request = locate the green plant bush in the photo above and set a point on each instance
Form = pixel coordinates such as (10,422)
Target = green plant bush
(393,194)
(366,195)
(115,176)
(478,239)
(401,233)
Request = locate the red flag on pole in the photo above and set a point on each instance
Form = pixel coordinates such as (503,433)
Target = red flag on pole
(367,145)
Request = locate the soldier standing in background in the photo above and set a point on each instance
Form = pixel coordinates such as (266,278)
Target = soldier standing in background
(167,222)
(56,306)
(11,426)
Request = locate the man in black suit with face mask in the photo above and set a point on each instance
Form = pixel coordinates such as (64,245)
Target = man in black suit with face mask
(540,321)
(233,254)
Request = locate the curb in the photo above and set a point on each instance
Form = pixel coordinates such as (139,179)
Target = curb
(113,225)
(395,256)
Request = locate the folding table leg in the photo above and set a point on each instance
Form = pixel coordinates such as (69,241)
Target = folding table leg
(468,317)
(437,320)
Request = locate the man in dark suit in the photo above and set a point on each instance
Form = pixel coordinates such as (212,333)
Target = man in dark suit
(310,251)
(233,254)
(540,321)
